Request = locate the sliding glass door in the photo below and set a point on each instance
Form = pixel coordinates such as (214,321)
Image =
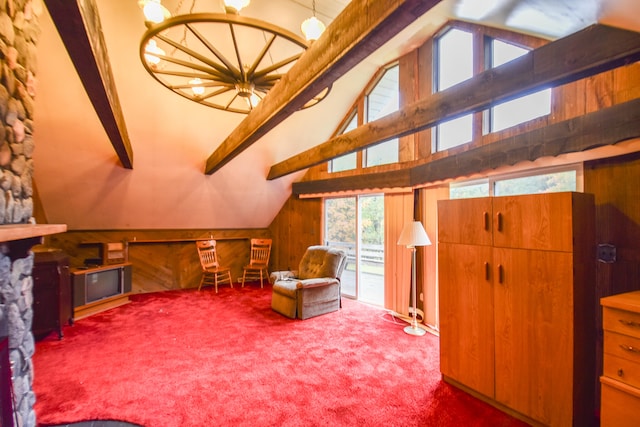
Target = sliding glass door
(356,224)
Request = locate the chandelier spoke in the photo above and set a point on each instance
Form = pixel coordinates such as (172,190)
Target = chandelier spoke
(213,50)
(208,71)
(243,73)
(261,55)
(277,65)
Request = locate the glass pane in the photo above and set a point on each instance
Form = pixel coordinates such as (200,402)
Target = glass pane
(519,110)
(465,191)
(344,163)
(340,232)
(454,132)
(502,52)
(546,183)
(455,58)
(381,101)
(384,98)
(371,283)
(383,153)
(348,161)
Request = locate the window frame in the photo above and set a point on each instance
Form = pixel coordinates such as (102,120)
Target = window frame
(492,179)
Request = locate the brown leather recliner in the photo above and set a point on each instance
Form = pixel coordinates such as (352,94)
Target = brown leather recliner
(313,289)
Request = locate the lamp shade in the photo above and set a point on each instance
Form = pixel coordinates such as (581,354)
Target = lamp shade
(413,234)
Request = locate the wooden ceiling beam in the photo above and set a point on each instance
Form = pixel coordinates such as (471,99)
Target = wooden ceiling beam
(608,126)
(586,53)
(361,29)
(78,24)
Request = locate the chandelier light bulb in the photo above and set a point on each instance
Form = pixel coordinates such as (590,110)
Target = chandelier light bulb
(312,28)
(152,52)
(254,100)
(196,88)
(234,6)
(154,11)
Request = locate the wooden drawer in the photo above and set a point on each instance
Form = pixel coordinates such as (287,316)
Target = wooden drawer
(620,404)
(622,370)
(625,322)
(622,346)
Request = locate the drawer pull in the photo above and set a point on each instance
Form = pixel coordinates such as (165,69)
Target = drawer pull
(620,372)
(629,323)
(629,348)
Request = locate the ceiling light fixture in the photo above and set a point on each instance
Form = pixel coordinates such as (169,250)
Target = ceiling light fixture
(312,27)
(222,60)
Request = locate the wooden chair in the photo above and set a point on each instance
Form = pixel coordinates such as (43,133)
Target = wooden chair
(212,272)
(258,267)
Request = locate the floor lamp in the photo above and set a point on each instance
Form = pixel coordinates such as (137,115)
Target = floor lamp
(413,235)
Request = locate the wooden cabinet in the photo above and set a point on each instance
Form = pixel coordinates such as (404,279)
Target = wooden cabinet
(51,292)
(620,400)
(517,303)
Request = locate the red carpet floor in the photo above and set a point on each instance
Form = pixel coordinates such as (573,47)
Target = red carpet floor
(188,358)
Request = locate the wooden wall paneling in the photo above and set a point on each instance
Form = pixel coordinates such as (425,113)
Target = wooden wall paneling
(427,261)
(615,183)
(568,101)
(162,259)
(297,226)
(599,91)
(626,83)
(425,87)
(409,93)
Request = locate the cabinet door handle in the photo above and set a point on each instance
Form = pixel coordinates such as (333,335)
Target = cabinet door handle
(499,218)
(629,348)
(485,217)
(629,323)
(487,271)
(500,273)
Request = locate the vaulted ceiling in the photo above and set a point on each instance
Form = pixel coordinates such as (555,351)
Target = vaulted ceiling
(82,181)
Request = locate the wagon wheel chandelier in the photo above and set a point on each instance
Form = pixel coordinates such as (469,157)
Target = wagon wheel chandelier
(221,60)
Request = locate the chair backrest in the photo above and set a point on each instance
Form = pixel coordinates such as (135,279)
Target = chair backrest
(260,252)
(207,253)
(322,261)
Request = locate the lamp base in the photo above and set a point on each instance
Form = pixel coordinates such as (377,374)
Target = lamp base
(411,330)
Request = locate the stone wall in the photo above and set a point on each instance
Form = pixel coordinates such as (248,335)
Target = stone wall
(19,31)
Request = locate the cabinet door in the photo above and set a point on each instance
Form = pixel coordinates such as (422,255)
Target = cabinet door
(45,299)
(536,221)
(465,221)
(466,316)
(533,333)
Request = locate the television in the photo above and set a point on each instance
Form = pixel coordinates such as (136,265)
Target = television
(99,283)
